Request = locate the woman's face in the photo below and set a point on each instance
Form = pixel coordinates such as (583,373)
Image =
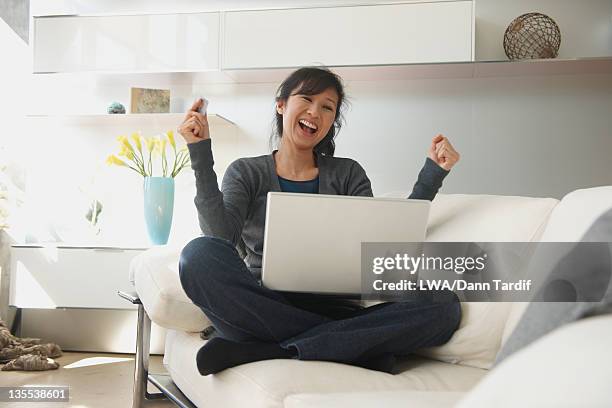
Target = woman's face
(307,118)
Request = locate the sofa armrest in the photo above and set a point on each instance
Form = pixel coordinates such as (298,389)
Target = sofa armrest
(155,276)
(568,367)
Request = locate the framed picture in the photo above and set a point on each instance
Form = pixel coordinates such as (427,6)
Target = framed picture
(145,100)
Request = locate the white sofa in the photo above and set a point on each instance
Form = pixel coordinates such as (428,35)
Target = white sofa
(568,367)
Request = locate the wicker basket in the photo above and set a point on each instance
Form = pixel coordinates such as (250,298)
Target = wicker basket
(532,35)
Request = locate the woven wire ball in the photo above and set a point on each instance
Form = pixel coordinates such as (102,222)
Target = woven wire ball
(532,35)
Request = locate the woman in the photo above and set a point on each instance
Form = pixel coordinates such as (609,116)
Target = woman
(255,323)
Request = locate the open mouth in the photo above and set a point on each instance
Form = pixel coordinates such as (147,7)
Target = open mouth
(307,126)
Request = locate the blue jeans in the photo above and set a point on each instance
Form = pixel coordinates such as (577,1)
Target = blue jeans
(218,281)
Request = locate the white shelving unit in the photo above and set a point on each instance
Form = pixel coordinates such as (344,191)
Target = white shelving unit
(448,70)
(128,119)
(235,46)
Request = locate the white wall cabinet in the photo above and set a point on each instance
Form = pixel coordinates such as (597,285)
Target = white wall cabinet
(356,35)
(69,296)
(404,33)
(137,43)
(52,277)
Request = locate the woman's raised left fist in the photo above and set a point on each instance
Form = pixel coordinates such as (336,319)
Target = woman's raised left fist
(443,153)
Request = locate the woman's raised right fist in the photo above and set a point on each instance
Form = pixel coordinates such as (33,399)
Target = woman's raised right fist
(195,125)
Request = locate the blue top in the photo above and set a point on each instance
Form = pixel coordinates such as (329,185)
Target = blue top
(307,186)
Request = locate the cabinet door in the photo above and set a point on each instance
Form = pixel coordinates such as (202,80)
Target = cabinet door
(138,43)
(361,35)
(70,277)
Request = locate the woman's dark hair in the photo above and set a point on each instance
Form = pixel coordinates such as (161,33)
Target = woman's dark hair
(311,81)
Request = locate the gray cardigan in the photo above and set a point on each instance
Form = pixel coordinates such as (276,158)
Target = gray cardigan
(237,212)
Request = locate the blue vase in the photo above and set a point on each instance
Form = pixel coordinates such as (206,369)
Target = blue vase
(158,208)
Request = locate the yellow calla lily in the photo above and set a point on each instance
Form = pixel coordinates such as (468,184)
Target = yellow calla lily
(131,155)
(123,141)
(114,160)
(160,145)
(170,135)
(136,137)
(126,144)
(123,151)
(150,141)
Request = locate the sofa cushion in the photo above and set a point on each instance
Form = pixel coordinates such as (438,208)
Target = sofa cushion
(267,383)
(477,340)
(589,277)
(387,399)
(576,213)
(516,312)
(488,218)
(483,218)
(569,367)
(156,279)
(568,222)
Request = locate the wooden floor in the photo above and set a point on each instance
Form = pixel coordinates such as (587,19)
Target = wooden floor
(95,380)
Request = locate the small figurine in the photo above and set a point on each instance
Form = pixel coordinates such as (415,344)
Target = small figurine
(116,107)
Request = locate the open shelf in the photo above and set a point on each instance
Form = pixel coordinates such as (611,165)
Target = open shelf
(129,119)
(594,65)
(441,70)
(449,70)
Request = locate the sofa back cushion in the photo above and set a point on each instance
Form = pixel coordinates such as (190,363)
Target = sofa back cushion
(568,222)
(488,218)
(576,213)
(483,218)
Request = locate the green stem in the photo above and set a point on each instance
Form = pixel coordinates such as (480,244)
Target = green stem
(137,171)
(186,160)
(138,163)
(174,164)
(176,160)
(150,165)
(140,160)
(183,164)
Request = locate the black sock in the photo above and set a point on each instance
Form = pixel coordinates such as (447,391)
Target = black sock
(219,353)
(384,362)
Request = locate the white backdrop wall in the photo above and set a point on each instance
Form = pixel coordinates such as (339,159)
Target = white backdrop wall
(536,136)
(533,136)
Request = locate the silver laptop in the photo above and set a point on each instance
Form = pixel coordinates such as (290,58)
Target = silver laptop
(312,242)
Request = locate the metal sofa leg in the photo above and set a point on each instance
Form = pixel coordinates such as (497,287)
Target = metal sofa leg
(143,343)
(141,369)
